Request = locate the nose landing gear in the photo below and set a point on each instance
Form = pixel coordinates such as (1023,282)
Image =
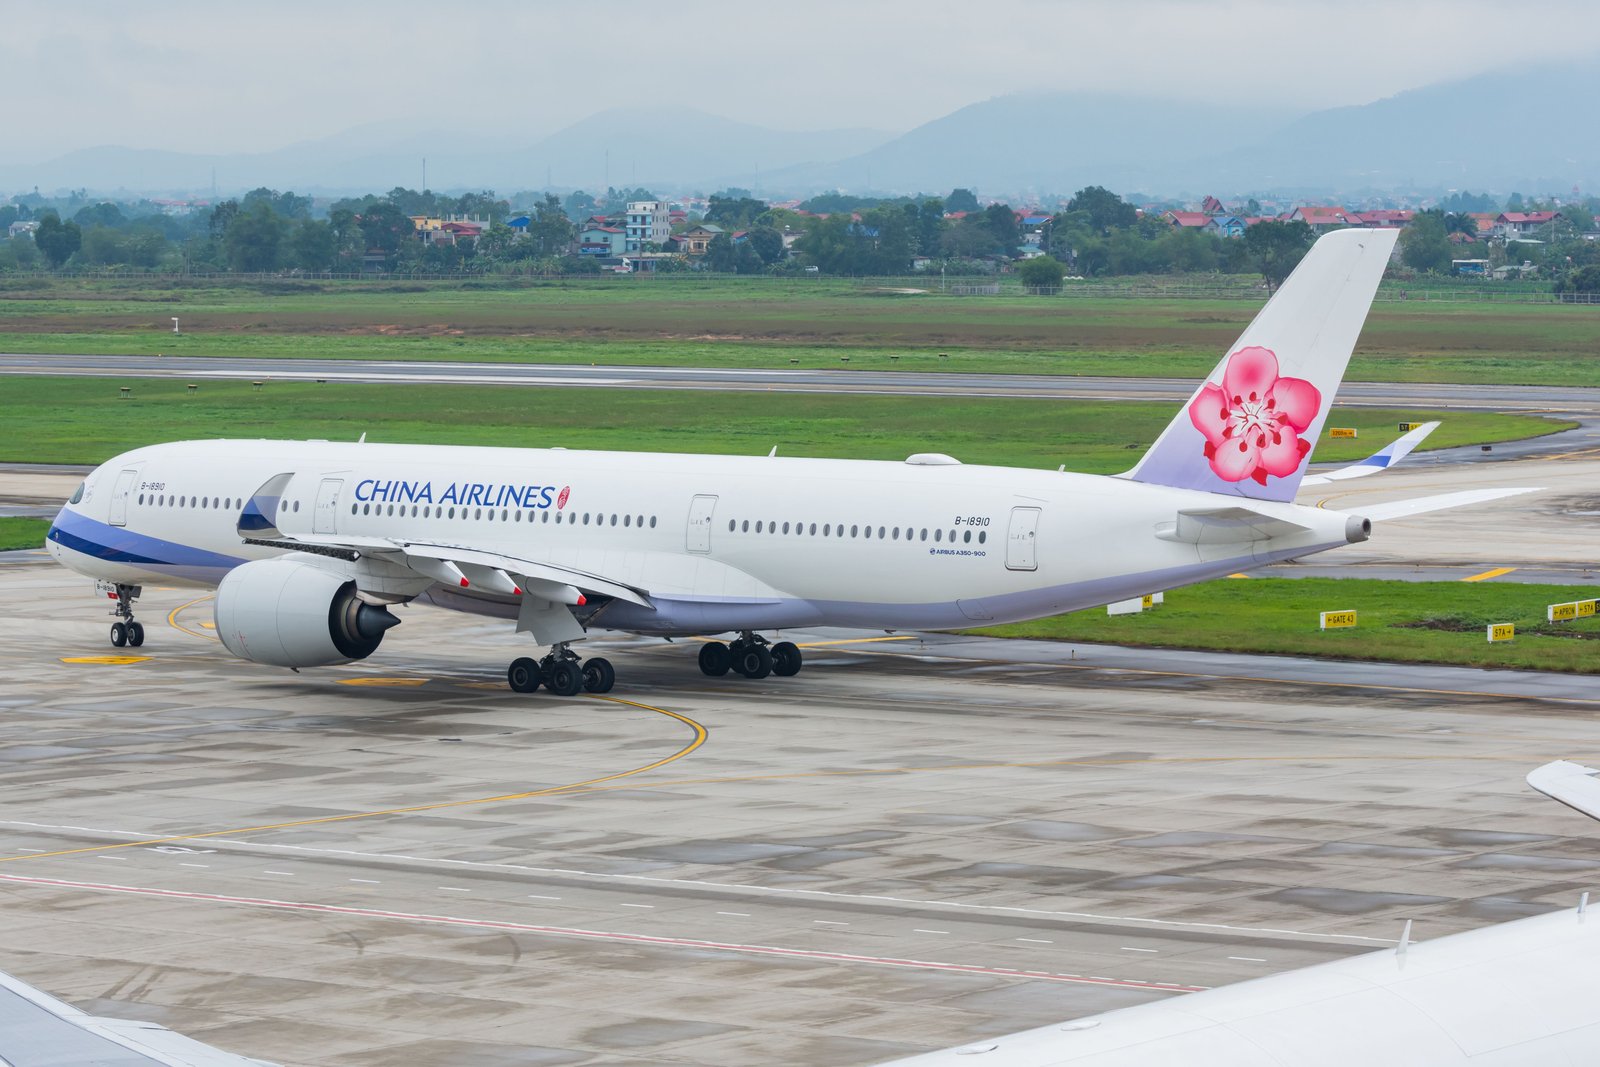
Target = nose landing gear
(750,655)
(126,631)
(562,672)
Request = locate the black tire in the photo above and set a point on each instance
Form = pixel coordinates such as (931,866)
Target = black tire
(565,678)
(135,634)
(753,661)
(786,659)
(598,675)
(523,675)
(715,659)
(119,634)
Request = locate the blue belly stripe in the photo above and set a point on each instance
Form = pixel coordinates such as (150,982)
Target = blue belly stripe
(118,544)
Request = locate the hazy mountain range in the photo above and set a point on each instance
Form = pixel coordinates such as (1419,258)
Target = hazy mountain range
(1529,129)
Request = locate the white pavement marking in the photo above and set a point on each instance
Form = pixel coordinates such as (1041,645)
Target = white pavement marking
(1176,924)
(735,914)
(1035,941)
(828,922)
(451,889)
(638,905)
(601,935)
(1125,948)
(1248,959)
(367,881)
(202,866)
(916,931)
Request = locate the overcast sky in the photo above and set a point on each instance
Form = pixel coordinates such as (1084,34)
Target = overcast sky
(224,77)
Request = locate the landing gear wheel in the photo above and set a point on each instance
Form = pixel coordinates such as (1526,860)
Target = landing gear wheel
(523,675)
(715,659)
(565,679)
(119,634)
(135,634)
(598,675)
(786,659)
(753,661)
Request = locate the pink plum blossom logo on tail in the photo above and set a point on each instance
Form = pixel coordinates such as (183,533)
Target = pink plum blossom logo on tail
(1252,422)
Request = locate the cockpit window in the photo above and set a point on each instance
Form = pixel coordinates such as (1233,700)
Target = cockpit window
(78,494)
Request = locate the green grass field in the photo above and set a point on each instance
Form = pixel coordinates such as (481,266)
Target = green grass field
(82,420)
(22,533)
(769,323)
(1410,622)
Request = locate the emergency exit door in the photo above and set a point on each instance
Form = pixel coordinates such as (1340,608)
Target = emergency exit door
(326,519)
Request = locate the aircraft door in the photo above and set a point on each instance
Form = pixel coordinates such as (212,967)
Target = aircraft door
(120,493)
(326,519)
(698,538)
(1021,554)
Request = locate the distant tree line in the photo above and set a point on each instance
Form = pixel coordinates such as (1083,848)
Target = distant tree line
(1094,233)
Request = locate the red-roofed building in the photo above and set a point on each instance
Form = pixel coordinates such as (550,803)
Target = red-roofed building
(1322,219)
(1522,223)
(1383,219)
(1189,220)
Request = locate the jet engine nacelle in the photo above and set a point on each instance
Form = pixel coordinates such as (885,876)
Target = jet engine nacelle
(288,613)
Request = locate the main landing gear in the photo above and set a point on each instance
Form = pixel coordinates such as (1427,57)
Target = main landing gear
(125,631)
(561,672)
(750,655)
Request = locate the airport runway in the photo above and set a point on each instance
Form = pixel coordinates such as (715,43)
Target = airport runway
(912,844)
(1565,400)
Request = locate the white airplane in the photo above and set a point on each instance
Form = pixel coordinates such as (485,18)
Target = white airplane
(311,543)
(1518,994)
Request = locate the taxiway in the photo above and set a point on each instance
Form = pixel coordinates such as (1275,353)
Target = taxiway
(914,843)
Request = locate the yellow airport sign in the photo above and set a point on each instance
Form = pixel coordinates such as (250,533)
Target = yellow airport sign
(1338,620)
(1576,609)
(1502,631)
(1342,431)
(1407,427)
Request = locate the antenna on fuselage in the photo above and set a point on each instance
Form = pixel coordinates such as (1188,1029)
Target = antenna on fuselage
(362,439)
(773,453)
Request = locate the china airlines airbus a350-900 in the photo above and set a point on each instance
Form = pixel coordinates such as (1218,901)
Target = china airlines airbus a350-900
(310,544)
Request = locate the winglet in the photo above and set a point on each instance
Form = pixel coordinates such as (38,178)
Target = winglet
(1384,458)
(259,517)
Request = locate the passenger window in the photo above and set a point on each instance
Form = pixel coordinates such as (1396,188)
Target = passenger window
(813,529)
(613,520)
(938,535)
(785,527)
(758,526)
(982,536)
(652,522)
(966,537)
(854,531)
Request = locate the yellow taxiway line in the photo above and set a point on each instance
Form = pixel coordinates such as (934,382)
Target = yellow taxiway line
(699,738)
(1486,575)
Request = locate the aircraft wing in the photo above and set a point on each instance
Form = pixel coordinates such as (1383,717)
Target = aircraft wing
(36,1028)
(1576,786)
(1381,460)
(464,566)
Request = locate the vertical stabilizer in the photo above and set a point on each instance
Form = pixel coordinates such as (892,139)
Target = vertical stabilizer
(1249,429)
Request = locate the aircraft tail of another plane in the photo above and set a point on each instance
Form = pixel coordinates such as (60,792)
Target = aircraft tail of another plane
(1249,429)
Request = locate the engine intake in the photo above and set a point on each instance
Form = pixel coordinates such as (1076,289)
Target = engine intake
(289,613)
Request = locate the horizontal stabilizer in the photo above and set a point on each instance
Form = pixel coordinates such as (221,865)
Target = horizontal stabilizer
(1404,509)
(1576,786)
(1213,526)
(1381,460)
